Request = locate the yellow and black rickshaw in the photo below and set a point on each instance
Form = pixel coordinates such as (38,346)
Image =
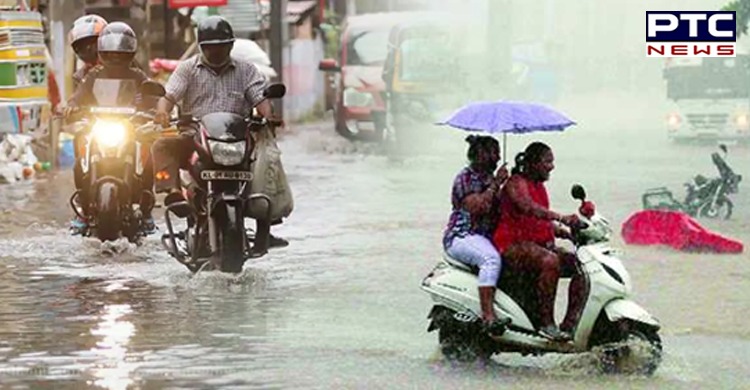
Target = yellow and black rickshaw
(421,74)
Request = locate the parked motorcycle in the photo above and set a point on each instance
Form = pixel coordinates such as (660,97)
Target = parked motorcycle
(625,334)
(704,197)
(218,196)
(116,135)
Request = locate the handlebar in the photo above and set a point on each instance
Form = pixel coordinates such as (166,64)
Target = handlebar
(580,225)
(258,121)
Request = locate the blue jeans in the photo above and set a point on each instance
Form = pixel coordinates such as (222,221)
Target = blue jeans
(477,250)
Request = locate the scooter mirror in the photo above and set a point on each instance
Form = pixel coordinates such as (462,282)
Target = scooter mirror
(723,148)
(578,192)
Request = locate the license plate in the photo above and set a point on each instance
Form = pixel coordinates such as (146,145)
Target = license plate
(227,175)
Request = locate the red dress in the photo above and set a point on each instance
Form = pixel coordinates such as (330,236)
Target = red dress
(517,226)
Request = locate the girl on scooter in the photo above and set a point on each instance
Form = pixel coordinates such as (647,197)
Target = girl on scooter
(526,232)
(474,216)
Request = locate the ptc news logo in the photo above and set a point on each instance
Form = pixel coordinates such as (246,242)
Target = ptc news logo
(691,33)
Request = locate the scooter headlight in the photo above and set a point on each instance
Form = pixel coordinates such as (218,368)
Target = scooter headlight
(227,153)
(109,134)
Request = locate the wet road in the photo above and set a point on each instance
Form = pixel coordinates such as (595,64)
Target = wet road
(341,307)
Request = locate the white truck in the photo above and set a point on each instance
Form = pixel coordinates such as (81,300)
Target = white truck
(709,99)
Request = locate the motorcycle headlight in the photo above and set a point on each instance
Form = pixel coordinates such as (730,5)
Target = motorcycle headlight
(227,153)
(674,120)
(354,98)
(109,134)
(742,121)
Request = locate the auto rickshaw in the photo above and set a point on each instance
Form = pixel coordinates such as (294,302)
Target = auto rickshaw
(421,74)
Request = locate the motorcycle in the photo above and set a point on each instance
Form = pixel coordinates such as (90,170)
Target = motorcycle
(218,197)
(610,321)
(705,197)
(113,161)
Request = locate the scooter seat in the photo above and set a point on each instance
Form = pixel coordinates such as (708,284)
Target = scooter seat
(460,265)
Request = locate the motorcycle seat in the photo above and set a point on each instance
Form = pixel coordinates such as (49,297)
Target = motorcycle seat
(460,265)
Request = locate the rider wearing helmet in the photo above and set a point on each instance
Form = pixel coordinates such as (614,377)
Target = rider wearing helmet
(117,46)
(83,39)
(209,82)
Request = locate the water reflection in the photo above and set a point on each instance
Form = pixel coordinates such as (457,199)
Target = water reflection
(114,371)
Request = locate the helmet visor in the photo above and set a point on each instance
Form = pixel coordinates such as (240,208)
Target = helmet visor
(117,42)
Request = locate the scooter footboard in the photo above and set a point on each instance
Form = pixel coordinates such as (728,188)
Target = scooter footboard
(620,309)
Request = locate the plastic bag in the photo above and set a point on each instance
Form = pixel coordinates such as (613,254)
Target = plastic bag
(269,176)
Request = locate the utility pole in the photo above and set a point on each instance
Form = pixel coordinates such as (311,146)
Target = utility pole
(167,29)
(61,15)
(140,14)
(279,32)
(499,40)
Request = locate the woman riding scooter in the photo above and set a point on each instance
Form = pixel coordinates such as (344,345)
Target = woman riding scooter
(474,215)
(525,235)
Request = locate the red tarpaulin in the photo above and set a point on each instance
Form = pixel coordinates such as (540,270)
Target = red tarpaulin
(676,229)
(196,3)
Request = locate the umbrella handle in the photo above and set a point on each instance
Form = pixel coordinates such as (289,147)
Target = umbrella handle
(505,148)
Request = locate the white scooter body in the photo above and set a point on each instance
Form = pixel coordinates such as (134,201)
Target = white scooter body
(453,285)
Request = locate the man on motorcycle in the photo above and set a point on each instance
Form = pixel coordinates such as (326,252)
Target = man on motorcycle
(525,235)
(474,215)
(117,45)
(209,82)
(83,39)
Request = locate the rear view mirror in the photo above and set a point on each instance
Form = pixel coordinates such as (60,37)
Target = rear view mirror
(723,148)
(578,192)
(329,65)
(275,91)
(152,88)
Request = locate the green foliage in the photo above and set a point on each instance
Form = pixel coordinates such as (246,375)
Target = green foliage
(742,8)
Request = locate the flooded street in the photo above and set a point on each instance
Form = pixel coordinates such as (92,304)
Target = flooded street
(341,306)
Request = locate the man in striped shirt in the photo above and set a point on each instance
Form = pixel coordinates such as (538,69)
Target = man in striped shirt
(207,83)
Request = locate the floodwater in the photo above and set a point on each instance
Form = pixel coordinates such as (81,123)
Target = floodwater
(341,306)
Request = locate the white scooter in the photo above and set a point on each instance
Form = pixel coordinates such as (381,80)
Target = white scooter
(610,323)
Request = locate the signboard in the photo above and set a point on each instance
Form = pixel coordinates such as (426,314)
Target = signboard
(196,3)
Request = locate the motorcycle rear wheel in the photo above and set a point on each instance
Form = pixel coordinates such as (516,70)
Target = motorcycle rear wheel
(459,341)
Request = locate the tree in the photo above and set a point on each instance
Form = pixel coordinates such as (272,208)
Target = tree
(742,8)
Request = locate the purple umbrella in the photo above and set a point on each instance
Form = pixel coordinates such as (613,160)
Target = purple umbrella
(507,117)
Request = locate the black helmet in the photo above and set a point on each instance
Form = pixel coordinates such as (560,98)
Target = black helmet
(117,44)
(215,30)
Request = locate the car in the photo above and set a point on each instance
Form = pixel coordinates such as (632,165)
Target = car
(357,72)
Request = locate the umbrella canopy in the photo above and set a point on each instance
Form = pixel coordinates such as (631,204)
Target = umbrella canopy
(507,117)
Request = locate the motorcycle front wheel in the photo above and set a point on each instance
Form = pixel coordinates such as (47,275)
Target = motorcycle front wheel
(231,239)
(721,209)
(626,347)
(107,213)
